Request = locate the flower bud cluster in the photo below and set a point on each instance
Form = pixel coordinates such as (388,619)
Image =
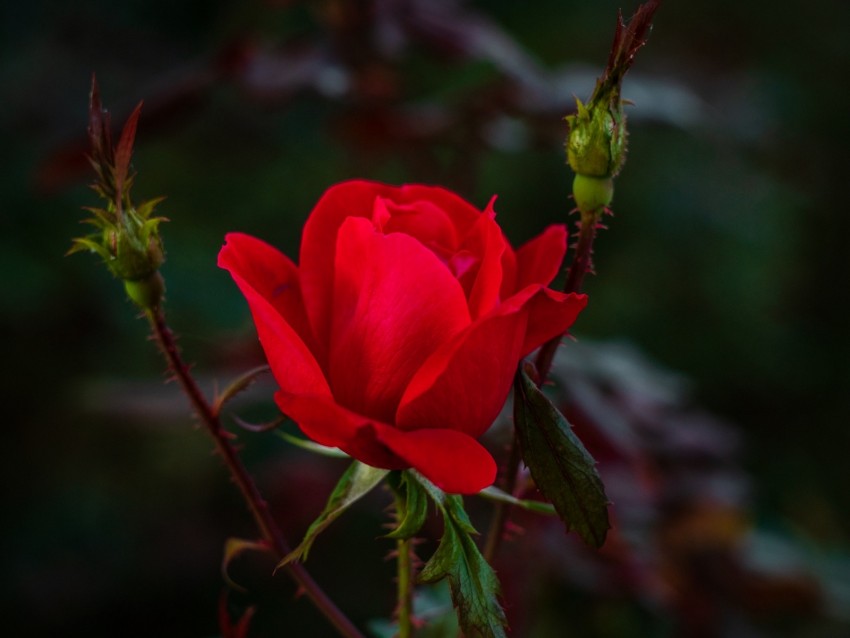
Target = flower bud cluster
(596,144)
(126,237)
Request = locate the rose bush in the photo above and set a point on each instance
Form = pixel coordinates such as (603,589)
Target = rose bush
(397,337)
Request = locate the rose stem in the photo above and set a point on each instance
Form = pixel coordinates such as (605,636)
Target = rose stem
(582,264)
(404,558)
(164,337)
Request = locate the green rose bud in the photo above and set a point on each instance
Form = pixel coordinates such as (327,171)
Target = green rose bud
(126,237)
(596,145)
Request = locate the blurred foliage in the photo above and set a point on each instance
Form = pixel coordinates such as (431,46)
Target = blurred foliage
(725,260)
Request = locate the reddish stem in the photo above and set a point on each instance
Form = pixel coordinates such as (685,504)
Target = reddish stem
(581,265)
(256,503)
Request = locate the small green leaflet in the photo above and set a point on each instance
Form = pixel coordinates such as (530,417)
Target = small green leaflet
(412,506)
(474,585)
(311,446)
(357,481)
(560,465)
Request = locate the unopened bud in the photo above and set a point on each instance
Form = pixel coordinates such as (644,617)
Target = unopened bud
(596,145)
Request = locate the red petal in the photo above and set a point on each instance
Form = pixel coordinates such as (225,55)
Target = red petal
(455,462)
(318,242)
(272,274)
(293,364)
(429,224)
(509,272)
(539,260)
(487,242)
(395,303)
(550,314)
(328,423)
(463,214)
(464,384)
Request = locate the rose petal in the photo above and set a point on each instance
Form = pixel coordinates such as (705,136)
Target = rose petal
(318,241)
(293,364)
(429,224)
(539,260)
(455,462)
(486,241)
(509,272)
(328,423)
(395,303)
(433,198)
(550,314)
(272,274)
(463,385)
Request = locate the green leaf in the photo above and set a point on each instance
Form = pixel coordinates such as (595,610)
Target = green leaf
(309,445)
(85,243)
(560,465)
(474,585)
(357,481)
(413,506)
(495,494)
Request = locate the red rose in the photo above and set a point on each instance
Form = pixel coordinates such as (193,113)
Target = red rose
(397,338)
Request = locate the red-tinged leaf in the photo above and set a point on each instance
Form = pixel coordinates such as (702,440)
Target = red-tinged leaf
(628,39)
(99,129)
(124,150)
(225,622)
(561,467)
(233,549)
(258,428)
(240,384)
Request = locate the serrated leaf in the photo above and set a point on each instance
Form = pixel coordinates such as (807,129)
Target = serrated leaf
(413,507)
(357,481)
(473,583)
(563,470)
(233,548)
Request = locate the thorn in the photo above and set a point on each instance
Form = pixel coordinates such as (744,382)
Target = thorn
(391,555)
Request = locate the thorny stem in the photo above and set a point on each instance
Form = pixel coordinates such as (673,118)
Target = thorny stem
(258,506)
(405,589)
(404,559)
(581,265)
(501,511)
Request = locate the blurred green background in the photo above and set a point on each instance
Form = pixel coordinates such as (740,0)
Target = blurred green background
(726,260)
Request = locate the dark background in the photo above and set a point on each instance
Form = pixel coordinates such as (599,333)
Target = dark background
(726,260)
